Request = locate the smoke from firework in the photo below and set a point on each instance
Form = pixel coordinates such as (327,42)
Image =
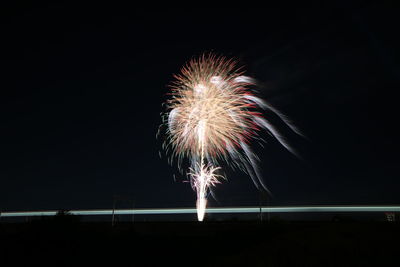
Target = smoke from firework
(211,118)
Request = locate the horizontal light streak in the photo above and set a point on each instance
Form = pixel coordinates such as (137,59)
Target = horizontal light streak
(299,209)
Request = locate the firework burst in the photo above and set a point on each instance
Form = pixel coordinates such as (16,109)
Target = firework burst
(212,115)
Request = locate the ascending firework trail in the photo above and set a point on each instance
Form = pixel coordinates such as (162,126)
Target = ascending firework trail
(212,116)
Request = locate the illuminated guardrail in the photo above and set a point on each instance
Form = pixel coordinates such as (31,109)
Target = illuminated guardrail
(299,209)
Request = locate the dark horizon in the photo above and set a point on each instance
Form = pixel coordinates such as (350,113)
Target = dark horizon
(82,90)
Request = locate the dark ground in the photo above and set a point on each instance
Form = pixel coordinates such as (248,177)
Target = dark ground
(66,241)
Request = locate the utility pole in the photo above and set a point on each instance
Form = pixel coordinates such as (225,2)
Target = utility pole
(118,199)
(260,205)
(113,212)
(133,213)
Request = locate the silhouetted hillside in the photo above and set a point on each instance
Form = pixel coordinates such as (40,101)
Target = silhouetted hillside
(63,241)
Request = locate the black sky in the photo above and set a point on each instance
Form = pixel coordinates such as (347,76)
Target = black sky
(82,87)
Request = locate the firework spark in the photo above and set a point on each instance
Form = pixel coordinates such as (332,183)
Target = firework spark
(211,118)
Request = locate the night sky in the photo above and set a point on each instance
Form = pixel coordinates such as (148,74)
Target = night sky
(82,88)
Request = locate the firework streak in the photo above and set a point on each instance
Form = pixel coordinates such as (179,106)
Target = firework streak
(212,116)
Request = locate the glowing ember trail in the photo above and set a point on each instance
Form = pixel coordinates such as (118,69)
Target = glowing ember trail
(211,118)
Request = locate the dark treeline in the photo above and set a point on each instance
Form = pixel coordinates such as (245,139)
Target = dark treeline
(64,240)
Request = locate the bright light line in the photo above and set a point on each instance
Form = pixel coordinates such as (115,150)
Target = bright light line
(299,209)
